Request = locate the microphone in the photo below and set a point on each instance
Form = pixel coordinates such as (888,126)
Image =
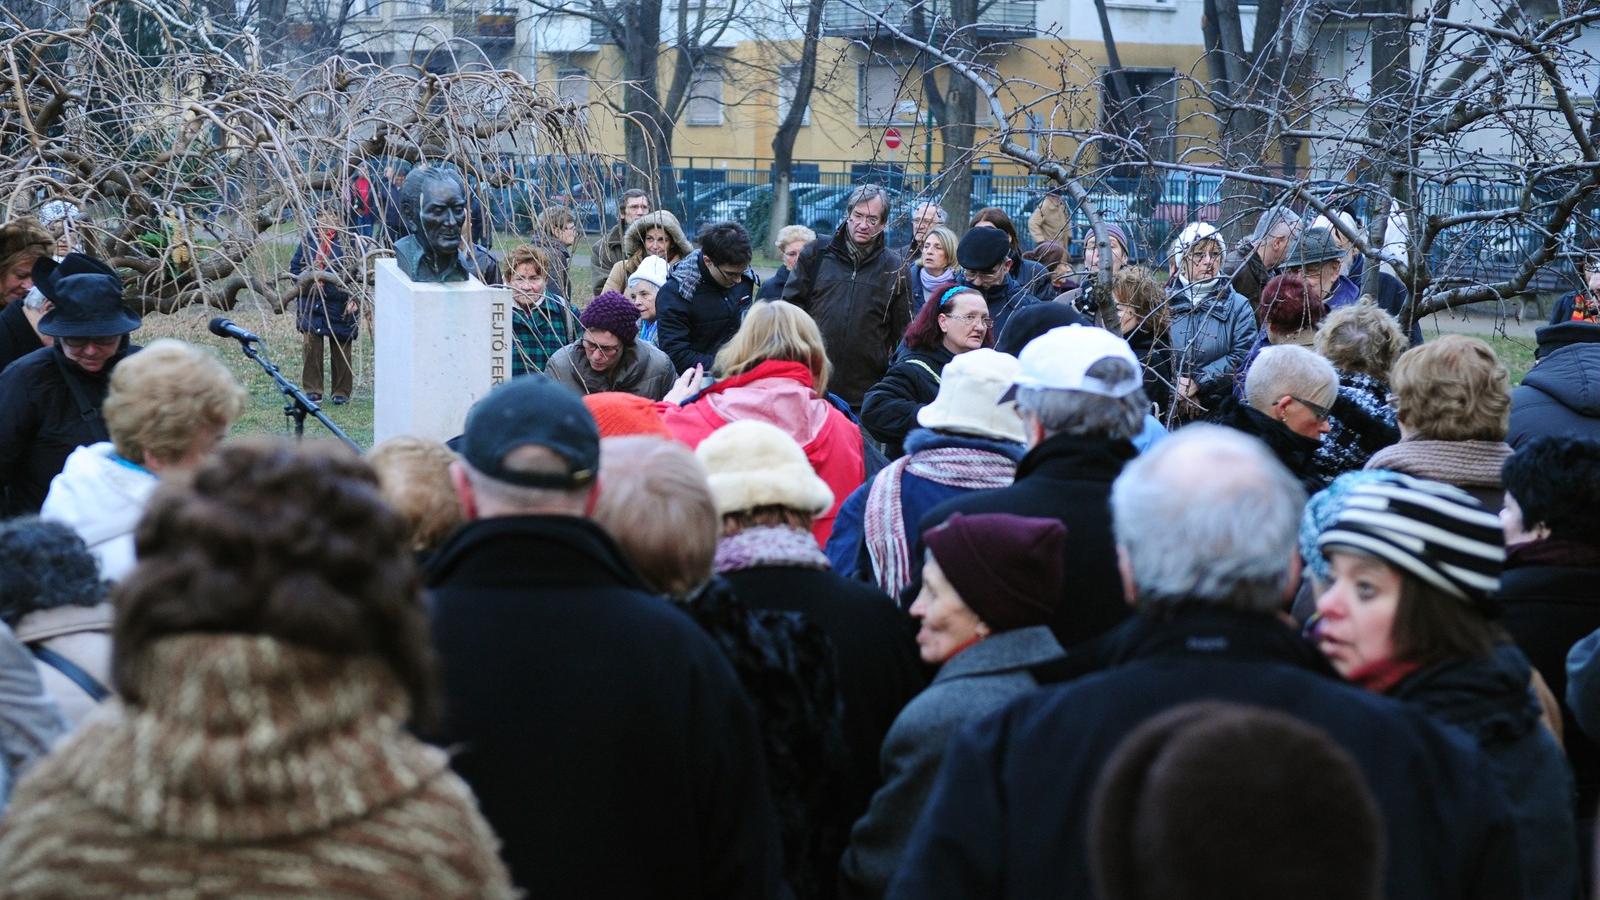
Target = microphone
(225,328)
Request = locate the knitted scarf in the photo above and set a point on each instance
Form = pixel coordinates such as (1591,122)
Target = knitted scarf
(883,521)
(768,545)
(1461,463)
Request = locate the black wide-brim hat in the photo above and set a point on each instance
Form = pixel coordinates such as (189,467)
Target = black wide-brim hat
(86,295)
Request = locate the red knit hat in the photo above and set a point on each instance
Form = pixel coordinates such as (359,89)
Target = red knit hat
(619,414)
(1008,569)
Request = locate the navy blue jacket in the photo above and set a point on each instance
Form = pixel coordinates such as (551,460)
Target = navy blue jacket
(1008,817)
(1003,299)
(1560,395)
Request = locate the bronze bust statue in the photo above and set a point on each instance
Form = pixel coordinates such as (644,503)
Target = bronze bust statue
(433,204)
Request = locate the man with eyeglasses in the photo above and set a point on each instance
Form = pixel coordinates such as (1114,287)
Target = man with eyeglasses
(856,289)
(706,296)
(50,399)
(985,258)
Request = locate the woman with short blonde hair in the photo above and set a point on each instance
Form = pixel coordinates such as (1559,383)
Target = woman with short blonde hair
(414,474)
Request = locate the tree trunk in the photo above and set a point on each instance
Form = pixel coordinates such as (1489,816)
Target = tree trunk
(639,38)
(789,129)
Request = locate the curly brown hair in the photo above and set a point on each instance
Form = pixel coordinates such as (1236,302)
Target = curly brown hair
(291,542)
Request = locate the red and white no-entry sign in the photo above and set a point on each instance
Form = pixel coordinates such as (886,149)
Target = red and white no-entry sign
(891,138)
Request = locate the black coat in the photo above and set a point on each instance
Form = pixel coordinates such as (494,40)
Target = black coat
(1067,478)
(1560,395)
(1296,452)
(322,307)
(48,408)
(875,649)
(1547,609)
(1156,356)
(772,288)
(1009,815)
(605,735)
(1391,295)
(889,411)
(1362,424)
(17,337)
(695,316)
(861,306)
(1004,299)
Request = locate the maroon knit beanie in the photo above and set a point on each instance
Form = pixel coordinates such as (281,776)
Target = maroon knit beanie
(1008,569)
(614,313)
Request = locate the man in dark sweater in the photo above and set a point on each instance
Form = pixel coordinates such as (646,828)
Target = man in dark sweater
(604,734)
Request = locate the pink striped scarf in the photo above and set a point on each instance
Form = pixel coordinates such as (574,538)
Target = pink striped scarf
(883,522)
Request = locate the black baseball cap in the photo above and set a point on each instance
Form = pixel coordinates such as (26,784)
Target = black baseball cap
(532,410)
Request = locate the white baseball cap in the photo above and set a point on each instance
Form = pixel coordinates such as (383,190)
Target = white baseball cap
(1060,360)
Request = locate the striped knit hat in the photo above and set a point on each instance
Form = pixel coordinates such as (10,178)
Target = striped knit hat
(1433,531)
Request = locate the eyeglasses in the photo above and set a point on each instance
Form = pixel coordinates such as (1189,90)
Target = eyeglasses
(1321,412)
(78,343)
(970,319)
(870,221)
(1205,254)
(601,350)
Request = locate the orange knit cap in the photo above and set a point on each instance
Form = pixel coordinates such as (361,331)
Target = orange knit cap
(618,414)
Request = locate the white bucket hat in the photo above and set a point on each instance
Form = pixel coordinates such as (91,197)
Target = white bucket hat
(972,398)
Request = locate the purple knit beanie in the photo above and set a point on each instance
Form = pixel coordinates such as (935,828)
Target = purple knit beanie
(614,313)
(1008,569)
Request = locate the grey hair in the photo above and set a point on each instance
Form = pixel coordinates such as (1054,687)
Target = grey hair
(34,300)
(1084,414)
(504,498)
(1208,515)
(1293,370)
(941,218)
(866,193)
(1273,218)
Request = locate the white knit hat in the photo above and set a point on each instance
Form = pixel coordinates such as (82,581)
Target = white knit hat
(971,389)
(652,269)
(753,464)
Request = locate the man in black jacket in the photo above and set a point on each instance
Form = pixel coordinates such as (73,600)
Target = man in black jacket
(604,734)
(857,291)
(1206,532)
(706,296)
(1560,395)
(984,255)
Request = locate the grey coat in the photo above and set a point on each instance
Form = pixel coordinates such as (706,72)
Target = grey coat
(643,370)
(30,721)
(1212,332)
(972,684)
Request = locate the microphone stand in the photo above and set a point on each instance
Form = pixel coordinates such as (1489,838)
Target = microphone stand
(297,405)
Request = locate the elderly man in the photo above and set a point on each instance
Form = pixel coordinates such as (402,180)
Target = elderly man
(1206,529)
(924,218)
(608,249)
(1256,259)
(857,291)
(594,722)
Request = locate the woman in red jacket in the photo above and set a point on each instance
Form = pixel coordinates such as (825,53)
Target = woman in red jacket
(775,370)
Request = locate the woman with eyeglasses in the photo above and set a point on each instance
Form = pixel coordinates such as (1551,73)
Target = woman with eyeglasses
(1288,394)
(1452,399)
(50,399)
(955,321)
(1211,326)
(608,356)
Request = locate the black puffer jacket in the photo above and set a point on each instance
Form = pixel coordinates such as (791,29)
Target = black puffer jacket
(861,304)
(48,408)
(1295,451)
(1560,395)
(890,409)
(1362,423)
(695,316)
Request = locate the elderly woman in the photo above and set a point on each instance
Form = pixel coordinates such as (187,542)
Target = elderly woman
(1362,342)
(990,582)
(1288,397)
(609,357)
(1408,615)
(55,601)
(776,370)
(1452,400)
(542,321)
(791,240)
(1145,324)
(967,441)
(167,407)
(1212,326)
(50,399)
(414,475)
(934,270)
(659,507)
(269,653)
(655,234)
(956,321)
(643,285)
(22,242)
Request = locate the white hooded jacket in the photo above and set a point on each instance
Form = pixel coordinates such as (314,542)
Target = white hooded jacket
(101,496)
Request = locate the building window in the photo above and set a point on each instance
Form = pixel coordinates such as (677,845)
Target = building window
(1342,57)
(883,97)
(1146,117)
(366,9)
(788,83)
(572,86)
(705,98)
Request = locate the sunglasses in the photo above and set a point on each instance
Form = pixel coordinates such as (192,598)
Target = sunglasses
(78,343)
(1321,412)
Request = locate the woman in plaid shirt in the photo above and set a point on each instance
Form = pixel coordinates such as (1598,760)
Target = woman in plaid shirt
(541,321)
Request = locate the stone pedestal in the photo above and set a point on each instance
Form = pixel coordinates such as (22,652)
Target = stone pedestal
(437,349)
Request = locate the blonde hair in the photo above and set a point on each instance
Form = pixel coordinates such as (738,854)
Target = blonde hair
(1453,389)
(162,397)
(414,476)
(1137,288)
(1361,338)
(776,330)
(655,500)
(788,234)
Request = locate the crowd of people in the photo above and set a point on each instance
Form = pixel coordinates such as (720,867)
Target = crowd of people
(895,575)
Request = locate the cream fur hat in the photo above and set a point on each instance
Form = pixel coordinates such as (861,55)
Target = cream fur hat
(969,401)
(753,464)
